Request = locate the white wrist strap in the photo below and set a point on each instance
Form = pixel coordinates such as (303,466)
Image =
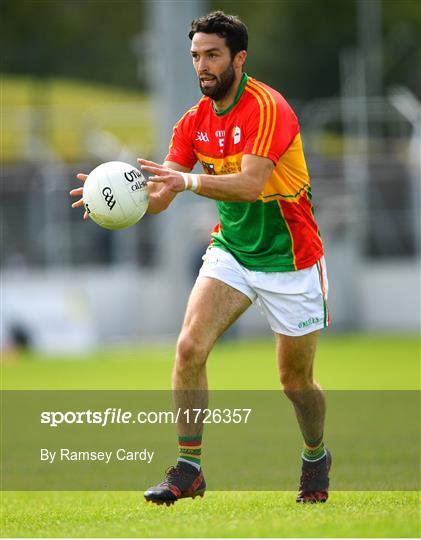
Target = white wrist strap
(191,181)
(194,182)
(186,180)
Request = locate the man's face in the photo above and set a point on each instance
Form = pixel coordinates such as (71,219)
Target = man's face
(213,65)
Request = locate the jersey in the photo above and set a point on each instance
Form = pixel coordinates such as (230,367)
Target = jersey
(278,231)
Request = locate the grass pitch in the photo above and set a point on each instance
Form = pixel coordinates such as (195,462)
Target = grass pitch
(353,362)
(218,514)
(343,363)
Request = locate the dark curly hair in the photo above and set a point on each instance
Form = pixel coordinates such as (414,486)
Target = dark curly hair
(228,27)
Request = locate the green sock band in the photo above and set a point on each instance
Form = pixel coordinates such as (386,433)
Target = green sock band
(190,449)
(314,453)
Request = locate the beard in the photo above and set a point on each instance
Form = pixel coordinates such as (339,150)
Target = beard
(222,85)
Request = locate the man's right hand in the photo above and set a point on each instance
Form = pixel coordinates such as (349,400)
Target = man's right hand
(78,192)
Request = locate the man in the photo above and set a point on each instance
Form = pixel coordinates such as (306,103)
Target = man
(267,247)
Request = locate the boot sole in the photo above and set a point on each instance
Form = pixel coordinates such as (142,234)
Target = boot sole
(200,493)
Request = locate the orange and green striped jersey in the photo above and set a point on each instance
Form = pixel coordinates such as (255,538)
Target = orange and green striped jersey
(278,232)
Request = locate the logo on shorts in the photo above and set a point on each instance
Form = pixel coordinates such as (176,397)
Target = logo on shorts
(308,322)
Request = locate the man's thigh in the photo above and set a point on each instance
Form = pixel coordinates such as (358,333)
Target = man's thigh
(295,355)
(212,308)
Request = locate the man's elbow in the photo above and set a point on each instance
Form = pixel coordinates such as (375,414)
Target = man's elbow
(254,192)
(251,196)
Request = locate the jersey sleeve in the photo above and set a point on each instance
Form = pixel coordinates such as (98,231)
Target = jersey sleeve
(272,126)
(181,145)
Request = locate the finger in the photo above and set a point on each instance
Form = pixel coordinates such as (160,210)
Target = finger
(82,176)
(161,179)
(146,162)
(77,204)
(76,192)
(86,215)
(154,170)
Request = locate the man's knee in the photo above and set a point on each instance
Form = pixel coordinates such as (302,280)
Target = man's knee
(295,381)
(191,352)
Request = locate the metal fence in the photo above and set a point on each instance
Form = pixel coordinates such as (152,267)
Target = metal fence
(369,189)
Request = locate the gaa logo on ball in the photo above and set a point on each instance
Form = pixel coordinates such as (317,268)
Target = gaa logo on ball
(115,195)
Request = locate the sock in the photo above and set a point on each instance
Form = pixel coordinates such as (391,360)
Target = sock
(190,450)
(314,452)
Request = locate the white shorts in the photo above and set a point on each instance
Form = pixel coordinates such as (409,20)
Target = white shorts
(294,303)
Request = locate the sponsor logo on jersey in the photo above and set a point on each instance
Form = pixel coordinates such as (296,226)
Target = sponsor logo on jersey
(209,168)
(237,134)
(202,136)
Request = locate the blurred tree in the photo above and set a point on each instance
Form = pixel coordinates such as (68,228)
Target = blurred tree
(71,38)
(402,37)
(294,44)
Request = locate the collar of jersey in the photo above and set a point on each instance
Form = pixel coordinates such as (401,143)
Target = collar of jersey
(239,93)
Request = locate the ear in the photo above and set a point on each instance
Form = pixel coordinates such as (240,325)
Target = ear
(240,59)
